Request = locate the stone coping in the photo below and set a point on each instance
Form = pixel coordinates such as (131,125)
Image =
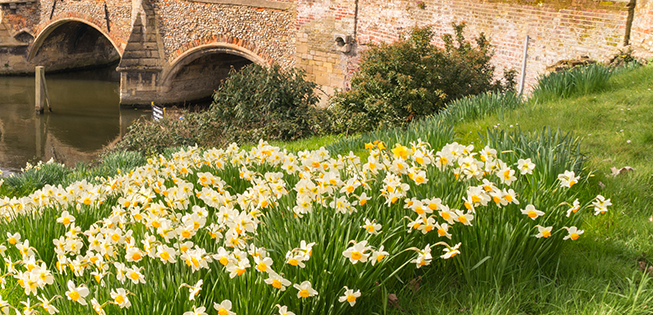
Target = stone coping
(16,1)
(277,5)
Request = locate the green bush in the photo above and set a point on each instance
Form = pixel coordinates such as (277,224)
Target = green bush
(266,103)
(153,137)
(412,78)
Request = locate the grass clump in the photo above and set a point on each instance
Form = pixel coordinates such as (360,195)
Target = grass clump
(575,81)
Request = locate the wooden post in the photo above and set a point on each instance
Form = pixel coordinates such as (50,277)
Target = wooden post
(40,96)
(45,88)
(523,67)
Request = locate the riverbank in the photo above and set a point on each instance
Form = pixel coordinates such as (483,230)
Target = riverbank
(598,273)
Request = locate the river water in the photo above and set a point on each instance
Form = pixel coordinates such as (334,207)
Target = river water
(85,117)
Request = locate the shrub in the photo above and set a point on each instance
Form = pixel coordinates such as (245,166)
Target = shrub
(153,137)
(413,78)
(269,103)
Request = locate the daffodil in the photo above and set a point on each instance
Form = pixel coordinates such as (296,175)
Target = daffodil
(378,255)
(507,175)
(357,253)
(450,251)
(443,230)
(574,233)
(350,296)
(263,265)
(277,281)
(77,294)
(525,166)
(423,256)
(134,274)
(120,298)
(194,290)
(568,179)
(543,231)
(372,227)
(13,239)
(531,212)
(166,254)
(305,290)
(46,304)
(197,311)
(462,217)
(224,308)
(283,310)
(573,208)
(4,306)
(66,218)
(28,308)
(601,205)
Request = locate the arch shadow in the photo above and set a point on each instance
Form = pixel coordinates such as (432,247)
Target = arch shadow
(196,73)
(47,31)
(204,50)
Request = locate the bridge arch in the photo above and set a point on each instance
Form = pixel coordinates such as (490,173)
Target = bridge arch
(197,72)
(71,42)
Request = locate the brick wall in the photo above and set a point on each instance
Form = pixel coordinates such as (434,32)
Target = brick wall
(641,36)
(318,24)
(558,30)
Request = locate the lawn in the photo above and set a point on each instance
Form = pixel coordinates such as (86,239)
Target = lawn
(241,219)
(600,273)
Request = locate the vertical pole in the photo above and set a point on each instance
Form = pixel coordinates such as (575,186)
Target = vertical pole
(45,91)
(523,67)
(40,96)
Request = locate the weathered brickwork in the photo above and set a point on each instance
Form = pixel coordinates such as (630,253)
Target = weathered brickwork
(268,33)
(557,30)
(91,12)
(641,35)
(324,37)
(319,23)
(24,17)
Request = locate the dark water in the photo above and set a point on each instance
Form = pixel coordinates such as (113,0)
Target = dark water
(85,117)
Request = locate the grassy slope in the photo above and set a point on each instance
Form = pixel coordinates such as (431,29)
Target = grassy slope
(598,275)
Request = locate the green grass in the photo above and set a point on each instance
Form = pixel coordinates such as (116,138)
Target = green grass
(599,274)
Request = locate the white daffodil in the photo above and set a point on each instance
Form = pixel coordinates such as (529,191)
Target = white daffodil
(305,290)
(350,296)
(77,294)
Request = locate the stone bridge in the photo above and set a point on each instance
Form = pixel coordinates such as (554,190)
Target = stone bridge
(179,50)
(168,51)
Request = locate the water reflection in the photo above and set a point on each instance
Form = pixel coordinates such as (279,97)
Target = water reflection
(85,117)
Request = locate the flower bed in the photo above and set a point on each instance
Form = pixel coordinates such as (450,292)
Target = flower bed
(266,231)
